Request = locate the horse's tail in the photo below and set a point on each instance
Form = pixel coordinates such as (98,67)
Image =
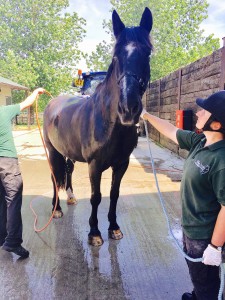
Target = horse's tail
(58,163)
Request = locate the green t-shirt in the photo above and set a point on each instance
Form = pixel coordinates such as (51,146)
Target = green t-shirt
(7,146)
(202,185)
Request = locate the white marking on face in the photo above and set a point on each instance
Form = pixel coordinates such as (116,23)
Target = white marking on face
(124,87)
(130,49)
(125,90)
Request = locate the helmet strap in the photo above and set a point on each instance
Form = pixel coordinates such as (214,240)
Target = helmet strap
(207,126)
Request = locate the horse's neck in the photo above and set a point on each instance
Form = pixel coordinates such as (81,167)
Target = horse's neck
(107,97)
(105,110)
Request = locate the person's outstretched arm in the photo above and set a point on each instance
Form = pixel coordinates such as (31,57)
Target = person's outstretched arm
(163,126)
(30,99)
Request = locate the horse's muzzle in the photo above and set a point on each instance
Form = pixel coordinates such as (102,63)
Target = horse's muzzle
(129,116)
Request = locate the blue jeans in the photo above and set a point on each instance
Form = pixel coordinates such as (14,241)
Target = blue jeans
(205,278)
(11,187)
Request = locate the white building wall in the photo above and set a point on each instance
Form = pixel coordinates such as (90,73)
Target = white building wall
(5,92)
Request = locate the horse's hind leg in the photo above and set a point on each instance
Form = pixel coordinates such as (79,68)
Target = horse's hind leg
(69,189)
(114,231)
(58,164)
(58,211)
(94,236)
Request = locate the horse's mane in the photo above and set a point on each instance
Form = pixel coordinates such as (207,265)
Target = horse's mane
(98,87)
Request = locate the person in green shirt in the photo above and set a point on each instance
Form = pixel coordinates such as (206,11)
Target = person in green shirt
(202,192)
(11,184)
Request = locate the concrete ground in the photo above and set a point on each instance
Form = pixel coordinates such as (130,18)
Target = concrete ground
(146,264)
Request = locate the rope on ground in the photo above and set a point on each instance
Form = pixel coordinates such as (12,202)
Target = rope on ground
(168,222)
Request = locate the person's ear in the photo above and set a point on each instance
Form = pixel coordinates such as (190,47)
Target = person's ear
(215,125)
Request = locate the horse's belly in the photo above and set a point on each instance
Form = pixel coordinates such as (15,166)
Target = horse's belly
(68,147)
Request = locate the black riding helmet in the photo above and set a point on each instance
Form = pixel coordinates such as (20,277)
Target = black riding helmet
(215,104)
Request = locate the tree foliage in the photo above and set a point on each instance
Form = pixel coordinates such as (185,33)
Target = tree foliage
(101,57)
(39,43)
(176,36)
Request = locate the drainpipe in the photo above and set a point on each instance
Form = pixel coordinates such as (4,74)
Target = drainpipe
(179,88)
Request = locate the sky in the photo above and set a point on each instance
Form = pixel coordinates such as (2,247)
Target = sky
(95,11)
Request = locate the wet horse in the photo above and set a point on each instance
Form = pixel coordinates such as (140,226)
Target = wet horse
(100,130)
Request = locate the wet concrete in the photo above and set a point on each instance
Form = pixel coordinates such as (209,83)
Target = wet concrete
(145,264)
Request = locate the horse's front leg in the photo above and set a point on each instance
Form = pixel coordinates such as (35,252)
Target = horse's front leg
(94,236)
(71,199)
(114,231)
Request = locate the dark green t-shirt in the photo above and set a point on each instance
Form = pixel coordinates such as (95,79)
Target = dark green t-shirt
(7,146)
(202,185)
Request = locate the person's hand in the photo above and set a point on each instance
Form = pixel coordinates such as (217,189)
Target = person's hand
(38,91)
(142,113)
(34,94)
(32,97)
(212,256)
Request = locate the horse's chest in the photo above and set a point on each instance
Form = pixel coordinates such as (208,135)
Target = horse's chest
(118,148)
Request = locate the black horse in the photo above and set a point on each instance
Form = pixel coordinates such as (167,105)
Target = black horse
(100,130)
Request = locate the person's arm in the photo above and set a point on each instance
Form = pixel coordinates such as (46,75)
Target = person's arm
(30,99)
(218,237)
(163,126)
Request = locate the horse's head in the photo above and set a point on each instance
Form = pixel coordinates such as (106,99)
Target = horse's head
(131,64)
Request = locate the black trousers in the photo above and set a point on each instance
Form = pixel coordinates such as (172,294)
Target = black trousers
(11,188)
(205,278)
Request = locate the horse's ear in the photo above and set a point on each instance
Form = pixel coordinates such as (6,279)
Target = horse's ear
(118,25)
(146,20)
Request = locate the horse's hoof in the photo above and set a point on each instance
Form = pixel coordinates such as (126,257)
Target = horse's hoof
(57,214)
(95,240)
(71,201)
(115,234)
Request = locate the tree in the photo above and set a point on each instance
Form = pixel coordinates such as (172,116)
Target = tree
(100,58)
(176,36)
(39,43)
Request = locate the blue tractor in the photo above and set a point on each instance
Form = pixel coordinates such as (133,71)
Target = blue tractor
(88,81)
